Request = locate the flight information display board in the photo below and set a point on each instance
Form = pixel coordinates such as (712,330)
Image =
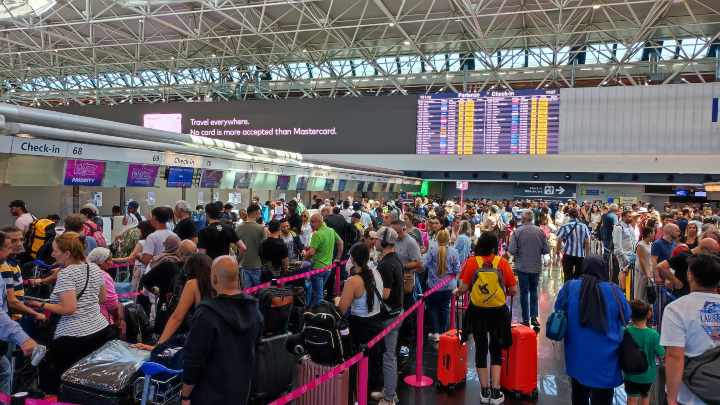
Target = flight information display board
(521,122)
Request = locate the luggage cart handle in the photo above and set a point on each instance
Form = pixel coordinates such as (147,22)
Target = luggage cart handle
(150,369)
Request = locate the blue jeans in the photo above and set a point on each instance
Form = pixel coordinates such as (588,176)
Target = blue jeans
(438,306)
(528,290)
(5,375)
(250,276)
(317,288)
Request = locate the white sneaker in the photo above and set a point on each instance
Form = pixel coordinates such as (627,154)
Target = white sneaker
(404,351)
(377,395)
(387,402)
(497,397)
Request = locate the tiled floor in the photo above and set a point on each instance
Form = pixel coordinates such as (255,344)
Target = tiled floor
(553,383)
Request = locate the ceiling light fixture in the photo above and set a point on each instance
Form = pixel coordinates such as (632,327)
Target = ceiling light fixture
(392,24)
(596,6)
(406,42)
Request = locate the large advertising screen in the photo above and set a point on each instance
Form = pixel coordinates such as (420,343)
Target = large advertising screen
(318,126)
(521,122)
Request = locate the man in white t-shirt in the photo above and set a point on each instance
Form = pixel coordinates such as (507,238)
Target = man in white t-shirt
(154,243)
(690,326)
(23,218)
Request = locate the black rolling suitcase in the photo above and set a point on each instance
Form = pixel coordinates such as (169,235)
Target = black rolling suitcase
(105,377)
(274,370)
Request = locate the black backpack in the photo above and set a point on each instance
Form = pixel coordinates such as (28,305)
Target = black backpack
(276,304)
(138,328)
(326,335)
(606,230)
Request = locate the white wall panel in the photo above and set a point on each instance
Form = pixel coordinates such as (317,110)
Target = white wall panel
(669,119)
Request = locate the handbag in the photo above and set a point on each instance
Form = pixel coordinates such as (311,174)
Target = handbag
(556,326)
(632,359)
(650,292)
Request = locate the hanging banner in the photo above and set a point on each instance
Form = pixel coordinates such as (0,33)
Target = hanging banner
(84,172)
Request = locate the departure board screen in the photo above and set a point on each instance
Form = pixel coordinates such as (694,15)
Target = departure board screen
(521,122)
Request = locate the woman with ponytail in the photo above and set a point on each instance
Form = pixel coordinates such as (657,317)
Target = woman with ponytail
(363,295)
(442,260)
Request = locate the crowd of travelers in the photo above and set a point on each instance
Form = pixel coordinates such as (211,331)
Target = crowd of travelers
(187,269)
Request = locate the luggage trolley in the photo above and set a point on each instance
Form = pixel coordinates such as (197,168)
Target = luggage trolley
(159,385)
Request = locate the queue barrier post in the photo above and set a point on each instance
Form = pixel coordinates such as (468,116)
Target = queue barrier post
(362,387)
(419,380)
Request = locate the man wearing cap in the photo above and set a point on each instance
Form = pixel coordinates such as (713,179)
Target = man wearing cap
(133,218)
(390,268)
(624,240)
(23,218)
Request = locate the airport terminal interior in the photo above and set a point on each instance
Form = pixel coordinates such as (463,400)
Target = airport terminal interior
(352,202)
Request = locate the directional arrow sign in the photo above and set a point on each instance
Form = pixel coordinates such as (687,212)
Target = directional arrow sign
(560,190)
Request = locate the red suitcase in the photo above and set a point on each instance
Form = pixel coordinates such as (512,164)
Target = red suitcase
(519,368)
(452,359)
(333,392)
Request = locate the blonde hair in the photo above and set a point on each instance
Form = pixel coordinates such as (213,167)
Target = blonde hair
(443,238)
(70,242)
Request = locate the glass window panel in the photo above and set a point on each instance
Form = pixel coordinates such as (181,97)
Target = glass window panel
(388,64)
(453,62)
(668,49)
(690,46)
(622,51)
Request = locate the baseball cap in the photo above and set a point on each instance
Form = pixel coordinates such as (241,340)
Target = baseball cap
(355,215)
(356,206)
(388,235)
(17,204)
(133,204)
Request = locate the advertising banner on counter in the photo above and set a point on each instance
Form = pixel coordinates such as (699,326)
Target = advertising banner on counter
(142,175)
(84,173)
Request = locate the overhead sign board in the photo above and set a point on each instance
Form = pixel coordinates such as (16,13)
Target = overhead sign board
(545,190)
(462,185)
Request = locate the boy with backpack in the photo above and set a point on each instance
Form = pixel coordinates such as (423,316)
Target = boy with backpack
(637,386)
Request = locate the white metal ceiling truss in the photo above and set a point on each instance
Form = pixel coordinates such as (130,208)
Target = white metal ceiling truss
(107,51)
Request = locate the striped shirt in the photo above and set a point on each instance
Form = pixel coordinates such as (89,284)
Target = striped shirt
(11,274)
(574,234)
(87,318)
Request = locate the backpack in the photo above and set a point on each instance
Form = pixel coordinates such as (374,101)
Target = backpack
(39,238)
(326,335)
(276,304)
(138,328)
(487,289)
(702,375)
(90,228)
(605,230)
